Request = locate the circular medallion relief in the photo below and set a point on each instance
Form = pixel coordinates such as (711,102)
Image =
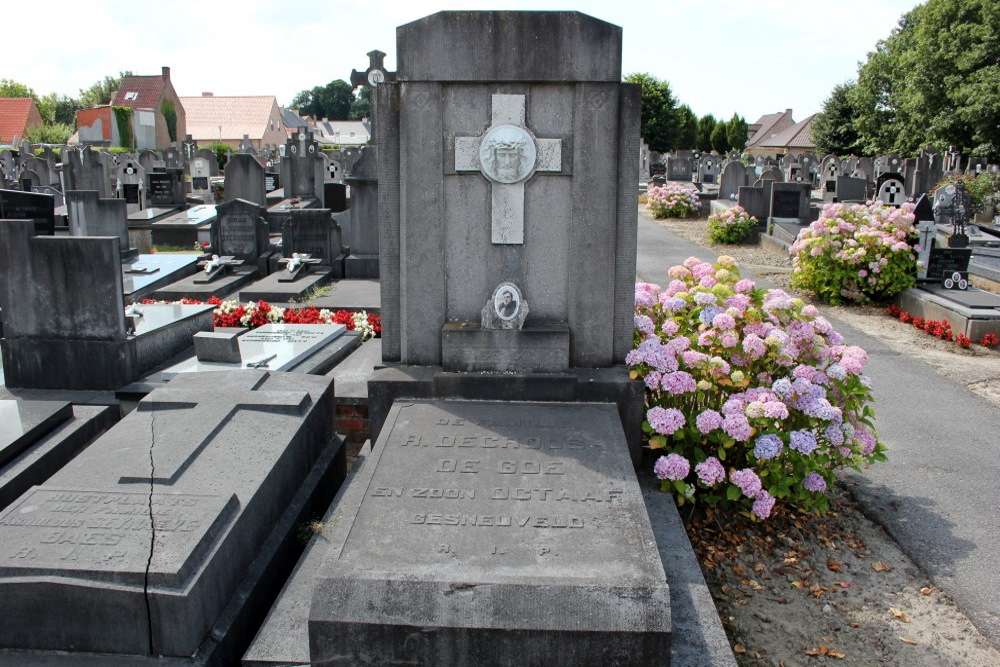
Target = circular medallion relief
(507,154)
(375,77)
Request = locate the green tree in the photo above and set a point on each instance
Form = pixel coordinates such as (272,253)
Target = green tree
(361,107)
(53,133)
(332,101)
(660,123)
(935,80)
(688,128)
(834,129)
(720,138)
(703,138)
(736,132)
(100,92)
(11,88)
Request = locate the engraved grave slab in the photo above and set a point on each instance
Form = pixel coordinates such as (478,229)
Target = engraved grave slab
(278,347)
(139,543)
(484,532)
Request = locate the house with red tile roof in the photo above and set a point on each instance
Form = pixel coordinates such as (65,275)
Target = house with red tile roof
(766,128)
(17,115)
(790,141)
(152,99)
(227,119)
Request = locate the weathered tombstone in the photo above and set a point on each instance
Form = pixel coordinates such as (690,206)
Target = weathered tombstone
(201,173)
(976,166)
(865,167)
(890,189)
(39,208)
(678,168)
(772,173)
(300,162)
(363,261)
(240,230)
(173,158)
(175,533)
(90,215)
(314,232)
(566,575)
(8,169)
(829,172)
(734,176)
(952,161)
(245,179)
(644,163)
(708,168)
(85,169)
(532,184)
(29,179)
(790,202)
(272,181)
(851,189)
(64,317)
(211,158)
(150,160)
(929,171)
(166,189)
(756,199)
(131,185)
(888,164)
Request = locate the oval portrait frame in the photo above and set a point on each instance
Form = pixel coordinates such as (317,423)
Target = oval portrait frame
(516,298)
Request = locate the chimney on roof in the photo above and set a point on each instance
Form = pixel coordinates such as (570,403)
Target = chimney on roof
(207,94)
(166,74)
(788,111)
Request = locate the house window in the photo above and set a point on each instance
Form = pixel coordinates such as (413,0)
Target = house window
(131,96)
(352,134)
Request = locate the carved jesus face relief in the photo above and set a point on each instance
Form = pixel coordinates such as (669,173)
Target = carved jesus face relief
(507,154)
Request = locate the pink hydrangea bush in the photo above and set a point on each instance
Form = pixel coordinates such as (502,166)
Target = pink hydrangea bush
(732,225)
(859,252)
(751,395)
(672,200)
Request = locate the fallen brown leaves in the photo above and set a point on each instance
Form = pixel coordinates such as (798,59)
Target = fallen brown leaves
(823,650)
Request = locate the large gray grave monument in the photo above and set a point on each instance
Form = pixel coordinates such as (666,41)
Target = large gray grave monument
(525,542)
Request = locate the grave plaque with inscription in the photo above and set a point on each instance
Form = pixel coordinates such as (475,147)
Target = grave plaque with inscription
(493,533)
(138,545)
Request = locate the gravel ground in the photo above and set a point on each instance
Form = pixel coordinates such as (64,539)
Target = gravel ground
(800,589)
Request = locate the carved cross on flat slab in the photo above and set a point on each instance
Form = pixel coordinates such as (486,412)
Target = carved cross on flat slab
(178,439)
(508,154)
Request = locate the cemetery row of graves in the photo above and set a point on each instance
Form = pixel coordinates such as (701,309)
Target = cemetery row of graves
(173,420)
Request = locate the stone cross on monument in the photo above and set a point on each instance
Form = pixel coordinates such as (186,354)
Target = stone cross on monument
(508,154)
(370,78)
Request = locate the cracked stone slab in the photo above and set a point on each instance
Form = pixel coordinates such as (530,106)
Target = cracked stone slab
(138,544)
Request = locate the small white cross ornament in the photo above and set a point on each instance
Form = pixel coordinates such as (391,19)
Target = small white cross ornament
(507,154)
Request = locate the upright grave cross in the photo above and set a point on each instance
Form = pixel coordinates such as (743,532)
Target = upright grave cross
(185,437)
(507,154)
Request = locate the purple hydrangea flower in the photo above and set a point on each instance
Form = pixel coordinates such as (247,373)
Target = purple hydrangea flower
(775,410)
(815,483)
(665,420)
(763,505)
(730,339)
(767,446)
(673,303)
(723,321)
(737,427)
(753,345)
(644,324)
(672,467)
(803,442)
(705,299)
(679,382)
(710,471)
(747,480)
(708,421)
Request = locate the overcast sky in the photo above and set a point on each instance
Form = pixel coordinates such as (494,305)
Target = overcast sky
(745,56)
